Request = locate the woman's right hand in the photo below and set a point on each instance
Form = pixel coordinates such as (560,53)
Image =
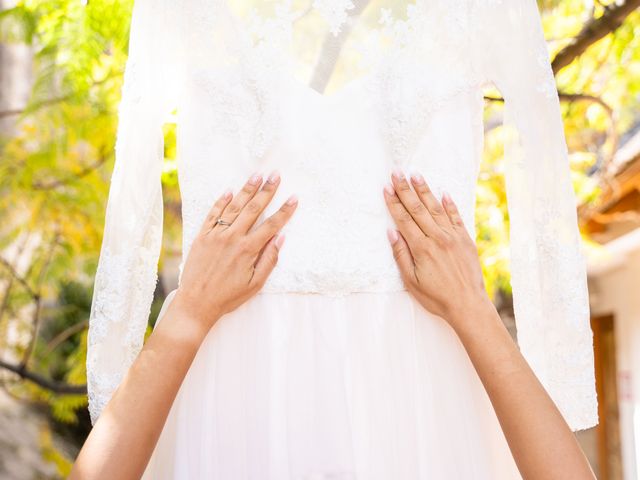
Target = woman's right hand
(439,264)
(227,265)
(436,256)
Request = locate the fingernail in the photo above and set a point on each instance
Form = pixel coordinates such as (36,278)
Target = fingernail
(446,197)
(397,173)
(388,188)
(279,240)
(273,178)
(227,194)
(292,199)
(417,178)
(255,179)
(392,234)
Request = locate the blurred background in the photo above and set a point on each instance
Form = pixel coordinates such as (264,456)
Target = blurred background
(61,71)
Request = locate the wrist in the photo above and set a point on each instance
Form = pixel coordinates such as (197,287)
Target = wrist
(474,314)
(191,325)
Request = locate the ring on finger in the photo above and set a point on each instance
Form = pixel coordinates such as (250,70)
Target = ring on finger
(220,221)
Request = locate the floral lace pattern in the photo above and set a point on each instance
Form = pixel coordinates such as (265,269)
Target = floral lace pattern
(334,11)
(113,311)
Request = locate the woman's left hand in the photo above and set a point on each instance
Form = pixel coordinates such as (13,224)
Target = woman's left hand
(228,264)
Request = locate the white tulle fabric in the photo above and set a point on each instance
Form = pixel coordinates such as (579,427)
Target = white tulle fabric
(334,93)
(310,387)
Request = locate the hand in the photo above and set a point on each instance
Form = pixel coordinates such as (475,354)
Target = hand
(437,258)
(226,265)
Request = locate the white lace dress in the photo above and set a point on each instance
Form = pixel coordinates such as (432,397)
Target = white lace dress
(333,371)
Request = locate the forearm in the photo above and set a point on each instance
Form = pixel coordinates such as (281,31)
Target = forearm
(542,444)
(124,437)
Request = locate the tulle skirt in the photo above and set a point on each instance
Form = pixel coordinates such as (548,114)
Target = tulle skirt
(307,386)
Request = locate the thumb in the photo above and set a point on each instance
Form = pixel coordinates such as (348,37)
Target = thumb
(401,253)
(268,259)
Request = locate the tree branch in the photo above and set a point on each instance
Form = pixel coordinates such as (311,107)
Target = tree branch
(65,334)
(54,100)
(595,29)
(567,97)
(38,300)
(22,281)
(52,184)
(60,388)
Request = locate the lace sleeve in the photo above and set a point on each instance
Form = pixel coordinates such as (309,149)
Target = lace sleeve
(127,268)
(548,267)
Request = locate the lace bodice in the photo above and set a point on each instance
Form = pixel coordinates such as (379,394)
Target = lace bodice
(334,93)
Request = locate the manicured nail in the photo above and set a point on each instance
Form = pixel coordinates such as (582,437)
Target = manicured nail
(292,199)
(388,188)
(273,178)
(417,178)
(397,173)
(393,235)
(255,179)
(279,240)
(227,194)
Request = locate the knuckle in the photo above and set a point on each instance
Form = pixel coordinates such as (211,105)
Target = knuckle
(223,238)
(423,251)
(233,208)
(423,248)
(416,208)
(395,200)
(245,245)
(445,241)
(273,222)
(274,258)
(422,189)
(403,186)
(405,216)
(437,209)
(408,277)
(254,207)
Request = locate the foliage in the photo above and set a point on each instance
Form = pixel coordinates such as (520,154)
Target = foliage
(54,180)
(51,454)
(608,74)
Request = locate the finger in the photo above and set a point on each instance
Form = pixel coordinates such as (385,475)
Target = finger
(429,199)
(215,211)
(247,192)
(402,255)
(252,210)
(267,261)
(452,210)
(274,223)
(404,221)
(413,204)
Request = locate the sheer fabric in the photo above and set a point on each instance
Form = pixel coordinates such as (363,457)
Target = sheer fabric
(334,93)
(367,386)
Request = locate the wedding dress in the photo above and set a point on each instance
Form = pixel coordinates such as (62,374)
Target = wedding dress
(333,371)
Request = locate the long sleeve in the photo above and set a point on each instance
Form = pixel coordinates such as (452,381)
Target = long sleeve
(127,268)
(548,267)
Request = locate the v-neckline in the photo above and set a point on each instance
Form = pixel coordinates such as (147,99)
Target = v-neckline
(288,74)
